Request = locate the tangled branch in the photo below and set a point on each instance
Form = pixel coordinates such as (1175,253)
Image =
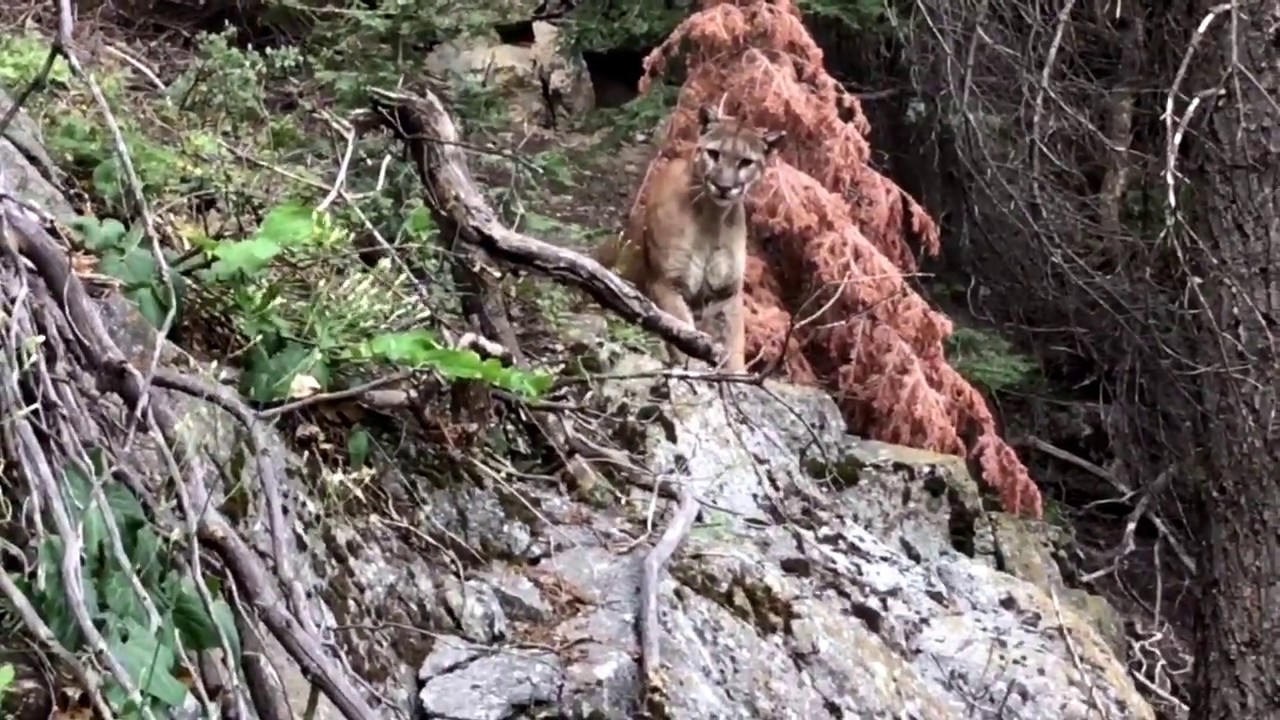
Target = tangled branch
(58,356)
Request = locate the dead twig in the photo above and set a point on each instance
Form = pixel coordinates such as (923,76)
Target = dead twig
(1075,657)
(654,562)
(1068,457)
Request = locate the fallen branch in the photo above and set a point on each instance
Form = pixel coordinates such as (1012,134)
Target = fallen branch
(424,125)
(432,138)
(1139,510)
(650,578)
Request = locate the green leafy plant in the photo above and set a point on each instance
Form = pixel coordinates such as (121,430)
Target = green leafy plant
(286,349)
(286,227)
(622,24)
(854,14)
(22,56)
(228,84)
(145,645)
(358,442)
(168,169)
(7,676)
(123,255)
(989,360)
(421,349)
(477,105)
(554,165)
(378,42)
(640,115)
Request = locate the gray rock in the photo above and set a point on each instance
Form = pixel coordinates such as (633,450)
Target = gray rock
(487,683)
(528,76)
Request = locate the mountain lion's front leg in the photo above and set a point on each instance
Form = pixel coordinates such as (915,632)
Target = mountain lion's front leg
(733,335)
(667,296)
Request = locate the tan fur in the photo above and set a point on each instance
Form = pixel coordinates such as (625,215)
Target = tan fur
(692,249)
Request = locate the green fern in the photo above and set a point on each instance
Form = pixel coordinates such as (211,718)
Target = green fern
(988,360)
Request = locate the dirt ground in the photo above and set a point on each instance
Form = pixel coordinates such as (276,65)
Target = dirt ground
(597,193)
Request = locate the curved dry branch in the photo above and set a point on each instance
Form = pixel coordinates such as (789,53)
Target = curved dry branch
(650,581)
(432,138)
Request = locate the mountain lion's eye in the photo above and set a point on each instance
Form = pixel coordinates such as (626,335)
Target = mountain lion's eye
(714,155)
(745,163)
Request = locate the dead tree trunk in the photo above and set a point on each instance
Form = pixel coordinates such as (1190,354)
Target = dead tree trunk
(1234,221)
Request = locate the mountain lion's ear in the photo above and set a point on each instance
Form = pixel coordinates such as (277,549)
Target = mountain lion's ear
(707,116)
(773,141)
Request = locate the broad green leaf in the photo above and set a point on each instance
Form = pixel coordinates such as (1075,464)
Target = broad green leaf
(139,267)
(419,225)
(106,179)
(90,588)
(7,676)
(191,620)
(78,484)
(116,234)
(125,507)
(149,664)
(133,238)
(90,231)
(120,598)
(320,371)
(403,347)
(418,348)
(269,375)
(226,620)
(149,306)
(528,384)
(535,223)
(118,699)
(146,556)
(199,630)
(94,529)
(246,256)
(288,225)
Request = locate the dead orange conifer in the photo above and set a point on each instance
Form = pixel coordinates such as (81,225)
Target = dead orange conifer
(833,239)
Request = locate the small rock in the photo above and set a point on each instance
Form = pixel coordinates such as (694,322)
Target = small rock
(493,686)
(477,609)
(518,596)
